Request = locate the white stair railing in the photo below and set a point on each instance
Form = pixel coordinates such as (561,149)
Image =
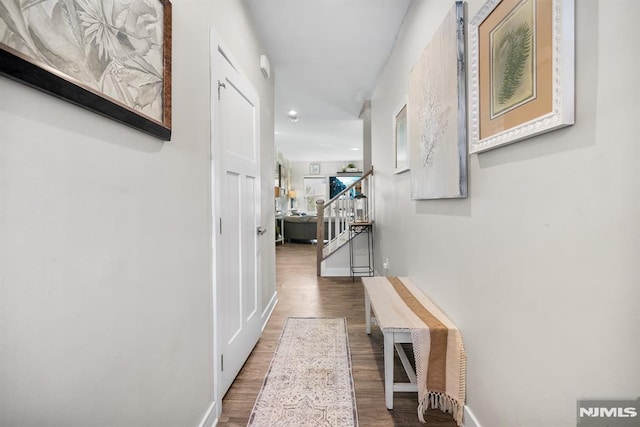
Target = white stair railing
(335,216)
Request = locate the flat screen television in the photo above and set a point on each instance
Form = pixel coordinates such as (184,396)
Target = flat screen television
(339,183)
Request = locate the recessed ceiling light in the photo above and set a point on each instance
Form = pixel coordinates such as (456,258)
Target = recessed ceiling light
(275,132)
(355,149)
(293,113)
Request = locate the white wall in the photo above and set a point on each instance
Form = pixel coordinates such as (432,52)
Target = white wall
(539,266)
(105,290)
(365,116)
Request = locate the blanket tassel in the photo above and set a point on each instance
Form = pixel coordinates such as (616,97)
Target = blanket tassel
(443,402)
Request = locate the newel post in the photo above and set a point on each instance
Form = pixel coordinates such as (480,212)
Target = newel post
(319,234)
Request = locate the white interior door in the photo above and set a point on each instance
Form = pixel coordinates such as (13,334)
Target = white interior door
(236,176)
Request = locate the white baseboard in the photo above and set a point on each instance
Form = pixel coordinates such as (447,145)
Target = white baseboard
(211,416)
(469,419)
(335,272)
(266,314)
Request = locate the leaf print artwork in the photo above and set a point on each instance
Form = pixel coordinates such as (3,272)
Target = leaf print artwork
(114,47)
(512,60)
(99,28)
(515,47)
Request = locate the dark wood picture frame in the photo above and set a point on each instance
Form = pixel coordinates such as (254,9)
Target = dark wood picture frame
(36,73)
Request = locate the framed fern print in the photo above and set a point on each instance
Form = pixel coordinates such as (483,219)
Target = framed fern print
(521,70)
(112,57)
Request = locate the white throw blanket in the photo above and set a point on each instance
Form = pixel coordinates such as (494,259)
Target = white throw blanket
(439,354)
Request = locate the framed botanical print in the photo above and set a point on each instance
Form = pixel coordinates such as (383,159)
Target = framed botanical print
(522,70)
(314,168)
(112,57)
(400,139)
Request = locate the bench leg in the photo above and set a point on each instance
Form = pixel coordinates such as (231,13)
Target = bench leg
(388,369)
(367,311)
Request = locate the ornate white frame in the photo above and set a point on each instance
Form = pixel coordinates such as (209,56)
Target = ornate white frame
(563,85)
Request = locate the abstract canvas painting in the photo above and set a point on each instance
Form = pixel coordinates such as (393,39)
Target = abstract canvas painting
(437,114)
(110,56)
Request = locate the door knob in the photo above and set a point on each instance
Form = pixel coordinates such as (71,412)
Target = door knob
(261,230)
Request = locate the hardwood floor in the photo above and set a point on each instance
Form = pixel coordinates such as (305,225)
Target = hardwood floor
(301,293)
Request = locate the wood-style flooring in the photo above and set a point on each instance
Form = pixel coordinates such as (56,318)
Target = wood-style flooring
(301,293)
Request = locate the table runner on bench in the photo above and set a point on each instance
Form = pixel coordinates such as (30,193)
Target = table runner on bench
(439,355)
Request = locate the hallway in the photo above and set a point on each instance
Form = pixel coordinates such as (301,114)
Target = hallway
(301,293)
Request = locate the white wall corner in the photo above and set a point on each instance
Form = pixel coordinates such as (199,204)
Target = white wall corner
(210,418)
(469,419)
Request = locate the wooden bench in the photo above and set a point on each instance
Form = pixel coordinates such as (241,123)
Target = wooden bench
(397,315)
(395,321)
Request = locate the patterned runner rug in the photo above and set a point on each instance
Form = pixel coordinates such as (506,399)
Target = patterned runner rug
(309,382)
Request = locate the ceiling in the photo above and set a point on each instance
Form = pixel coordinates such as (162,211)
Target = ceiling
(325,56)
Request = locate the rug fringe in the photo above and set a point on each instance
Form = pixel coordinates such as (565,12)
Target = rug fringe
(439,400)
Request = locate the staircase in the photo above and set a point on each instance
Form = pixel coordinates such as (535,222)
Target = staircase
(339,213)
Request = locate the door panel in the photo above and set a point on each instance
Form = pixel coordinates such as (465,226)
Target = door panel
(242,123)
(231,271)
(250,248)
(235,149)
